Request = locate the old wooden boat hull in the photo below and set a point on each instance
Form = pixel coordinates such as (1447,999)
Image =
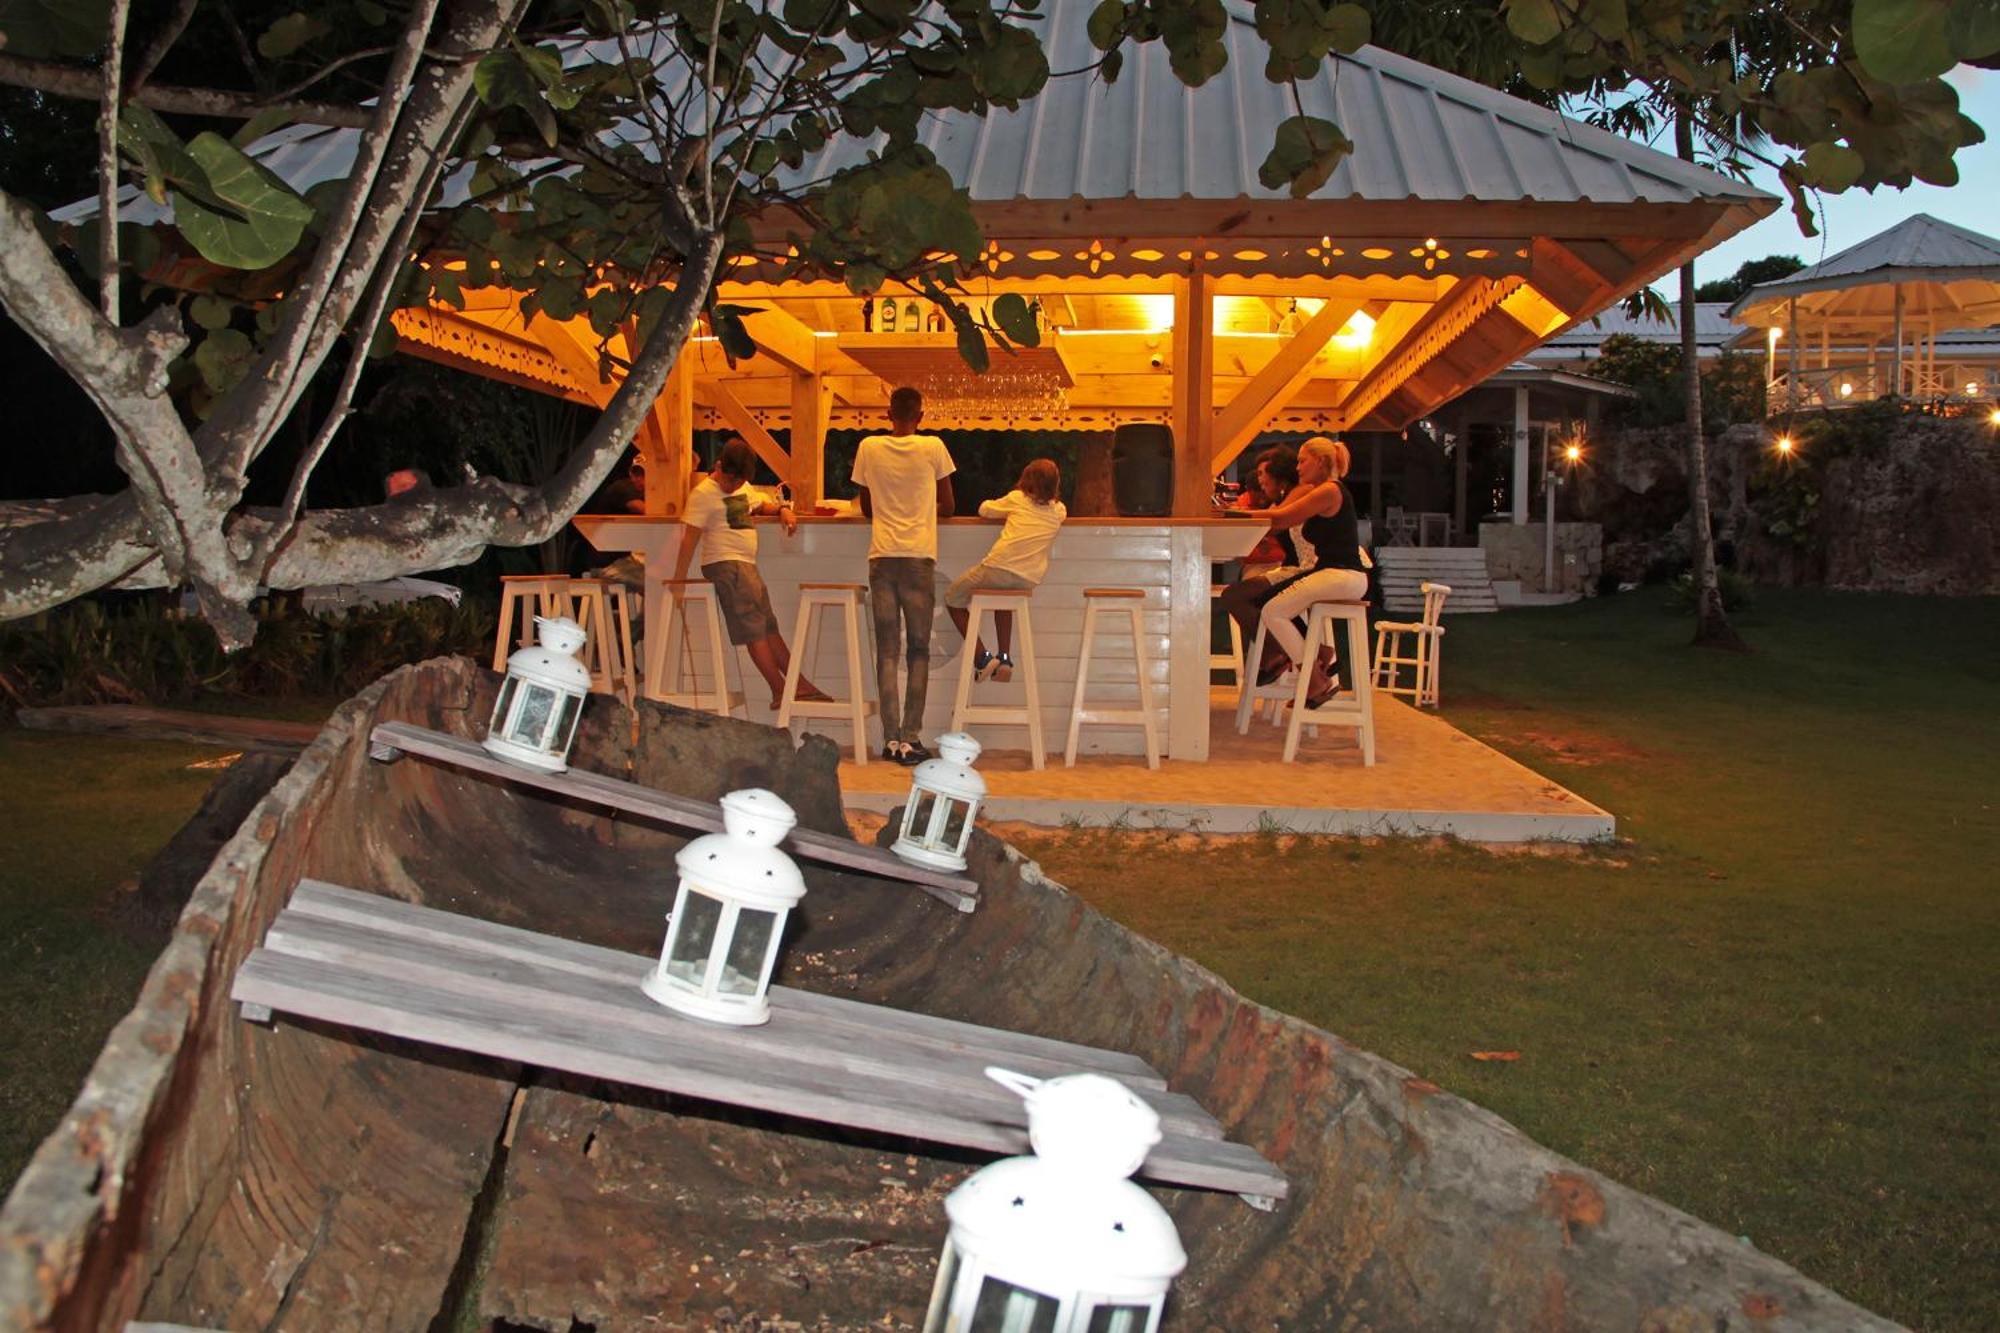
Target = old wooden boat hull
(224,1174)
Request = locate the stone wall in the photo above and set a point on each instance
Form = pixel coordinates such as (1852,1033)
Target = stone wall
(1518,553)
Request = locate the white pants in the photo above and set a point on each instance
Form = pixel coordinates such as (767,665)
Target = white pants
(1326,585)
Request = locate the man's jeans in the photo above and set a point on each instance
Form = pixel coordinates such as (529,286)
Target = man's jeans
(905,587)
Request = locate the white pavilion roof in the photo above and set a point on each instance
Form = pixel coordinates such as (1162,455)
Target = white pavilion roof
(1948,275)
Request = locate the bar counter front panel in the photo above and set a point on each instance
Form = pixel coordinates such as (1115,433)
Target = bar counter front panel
(1169,559)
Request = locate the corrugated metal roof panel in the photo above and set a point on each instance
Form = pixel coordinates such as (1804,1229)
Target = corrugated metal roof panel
(1920,248)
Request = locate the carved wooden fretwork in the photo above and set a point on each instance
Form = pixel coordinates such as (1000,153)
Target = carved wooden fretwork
(1464,306)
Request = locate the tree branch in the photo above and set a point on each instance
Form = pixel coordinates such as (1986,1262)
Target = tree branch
(156,50)
(82,84)
(107,160)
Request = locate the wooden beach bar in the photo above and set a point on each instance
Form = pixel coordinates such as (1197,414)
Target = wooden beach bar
(1174,291)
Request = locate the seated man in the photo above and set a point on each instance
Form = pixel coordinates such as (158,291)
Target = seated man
(717,519)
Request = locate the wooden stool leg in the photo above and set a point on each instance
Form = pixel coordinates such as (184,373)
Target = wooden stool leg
(974,613)
(1298,719)
(1145,686)
(628,675)
(718,657)
(1246,692)
(1082,678)
(1364,693)
(1026,624)
(857,688)
(801,647)
(510,600)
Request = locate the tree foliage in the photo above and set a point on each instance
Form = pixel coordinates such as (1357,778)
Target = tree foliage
(1749,273)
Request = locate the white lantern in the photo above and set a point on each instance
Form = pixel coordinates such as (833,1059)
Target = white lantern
(736,888)
(534,719)
(1061,1242)
(945,796)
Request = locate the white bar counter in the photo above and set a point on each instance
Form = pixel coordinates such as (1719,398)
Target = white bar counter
(1169,558)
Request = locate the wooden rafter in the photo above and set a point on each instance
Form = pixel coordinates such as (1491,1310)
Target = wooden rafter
(1427,338)
(581,362)
(1275,385)
(746,423)
(1194,392)
(783,338)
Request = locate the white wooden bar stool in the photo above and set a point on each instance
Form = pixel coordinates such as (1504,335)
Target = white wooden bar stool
(1027,713)
(1357,711)
(1232,662)
(846,599)
(1249,693)
(1417,644)
(1114,601)
(604,608)
(531,595)
(673,647)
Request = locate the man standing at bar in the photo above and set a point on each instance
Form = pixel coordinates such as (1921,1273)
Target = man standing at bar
(905,484)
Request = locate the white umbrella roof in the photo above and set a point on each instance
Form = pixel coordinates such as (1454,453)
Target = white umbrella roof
(1949,277)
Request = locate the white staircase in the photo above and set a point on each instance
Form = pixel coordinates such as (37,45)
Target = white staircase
(1405,569)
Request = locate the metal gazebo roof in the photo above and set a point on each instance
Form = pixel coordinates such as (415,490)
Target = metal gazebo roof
(1948,276)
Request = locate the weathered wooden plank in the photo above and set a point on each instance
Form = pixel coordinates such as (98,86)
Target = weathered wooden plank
(992,1045)
(959,891)
(618,999)
(170,724)
(415,1010)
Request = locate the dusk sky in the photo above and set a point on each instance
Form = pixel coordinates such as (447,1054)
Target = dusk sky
(1855,216)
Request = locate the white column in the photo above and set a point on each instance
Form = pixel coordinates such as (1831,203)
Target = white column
(1520,487)
(1792,353)
(1896,382)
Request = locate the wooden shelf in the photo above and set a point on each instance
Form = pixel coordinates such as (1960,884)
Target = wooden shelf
(899,358)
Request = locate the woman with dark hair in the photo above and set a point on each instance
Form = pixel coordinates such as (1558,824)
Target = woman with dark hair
(1322,512)
(717,519)
(1275,558)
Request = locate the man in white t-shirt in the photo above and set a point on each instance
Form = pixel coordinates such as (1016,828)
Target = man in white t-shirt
(905,484)
(717,519)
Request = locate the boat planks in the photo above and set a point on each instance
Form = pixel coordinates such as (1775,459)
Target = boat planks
(358,959)
(392,740)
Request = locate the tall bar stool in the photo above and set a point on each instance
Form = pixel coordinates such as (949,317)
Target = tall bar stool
(1357,712)
(1232,662)
(1418,644)
(1249,693)
(1028,713)
(1114,601)
(599,605)
(673,646)
(846,599)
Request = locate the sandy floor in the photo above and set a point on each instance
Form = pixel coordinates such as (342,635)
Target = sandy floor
(1428,778)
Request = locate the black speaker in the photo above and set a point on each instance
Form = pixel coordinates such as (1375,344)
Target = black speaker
(1142,469)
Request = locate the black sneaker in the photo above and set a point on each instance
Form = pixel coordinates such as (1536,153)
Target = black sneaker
(1003,668)
(982,664)
(895,751)
(914,753)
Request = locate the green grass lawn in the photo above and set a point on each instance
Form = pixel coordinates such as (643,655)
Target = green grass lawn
(1775,1003)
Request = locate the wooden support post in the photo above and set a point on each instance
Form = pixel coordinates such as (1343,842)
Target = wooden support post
(667,442)
(1194,393)
(737,415)
(812,399)
(1521,480)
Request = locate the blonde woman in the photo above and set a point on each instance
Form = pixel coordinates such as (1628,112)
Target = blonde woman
(1322,512)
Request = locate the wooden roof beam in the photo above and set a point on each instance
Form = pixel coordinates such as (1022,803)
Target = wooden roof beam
(1427,338)
(1275,385)
(737,415)
(785,339)
(582,363)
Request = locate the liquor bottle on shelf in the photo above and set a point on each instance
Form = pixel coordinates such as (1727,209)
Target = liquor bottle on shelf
(934,322)
(889,316)
(913,318)
(868,315)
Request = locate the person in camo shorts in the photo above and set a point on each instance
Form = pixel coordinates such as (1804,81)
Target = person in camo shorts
(717,520)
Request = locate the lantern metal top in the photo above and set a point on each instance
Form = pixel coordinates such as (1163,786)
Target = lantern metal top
(1069,1212)
(951,773)
(743,860)
(552,660)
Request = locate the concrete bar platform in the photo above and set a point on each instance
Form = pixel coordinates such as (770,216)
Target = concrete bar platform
(1429,779)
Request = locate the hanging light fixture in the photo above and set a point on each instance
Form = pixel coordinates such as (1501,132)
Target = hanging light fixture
(945,796)
(729,914)
(1060,1242)
(534,719)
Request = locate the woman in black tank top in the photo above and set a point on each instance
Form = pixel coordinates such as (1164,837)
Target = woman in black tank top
(1324,512)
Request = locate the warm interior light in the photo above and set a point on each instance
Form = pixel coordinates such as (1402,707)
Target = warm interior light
(1573,452)
(1972,390)
(1157,310)
(1776,333)
(1995,418)
(1784,444)
(1846,389)
(1357,332)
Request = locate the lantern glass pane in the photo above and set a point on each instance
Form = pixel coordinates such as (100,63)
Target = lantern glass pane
(499,722)
(1119,1319)
(1006,1308)
(566,729)
(954,823)
(917,823)
(743,968)
(943,1291)
(694,936)
(531,724)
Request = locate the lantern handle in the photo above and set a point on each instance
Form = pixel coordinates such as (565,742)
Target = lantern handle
(1021,1085)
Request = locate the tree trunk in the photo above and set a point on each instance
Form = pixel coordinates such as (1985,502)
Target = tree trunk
(1711,623)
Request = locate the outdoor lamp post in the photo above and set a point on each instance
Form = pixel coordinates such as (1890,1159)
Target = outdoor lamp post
(729,914)
(945,796)
(1060,1242)
(534,719)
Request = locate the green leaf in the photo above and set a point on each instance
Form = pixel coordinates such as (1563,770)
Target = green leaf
(288,34)
(1833,167)
(1975,28)
(1350,28)
(259,219)
(1016,320)
(370,13)
(39,29)
(1903,41)
(1304,154)
(1107,24)
(972,346)
(259,125)
(737,344)
(222,358)
(211,312)
(810,15)
(1534,21)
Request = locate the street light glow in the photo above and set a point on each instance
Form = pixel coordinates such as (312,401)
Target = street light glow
(1573,453)
(1785,445)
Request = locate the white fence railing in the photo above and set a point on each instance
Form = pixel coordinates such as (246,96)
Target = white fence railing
(1834,386)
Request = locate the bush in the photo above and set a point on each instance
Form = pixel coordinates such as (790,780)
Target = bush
(1737,592)
(137,650)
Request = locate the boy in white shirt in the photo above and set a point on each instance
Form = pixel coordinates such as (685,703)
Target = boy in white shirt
(717,519)
(905,486)
(1018,561)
